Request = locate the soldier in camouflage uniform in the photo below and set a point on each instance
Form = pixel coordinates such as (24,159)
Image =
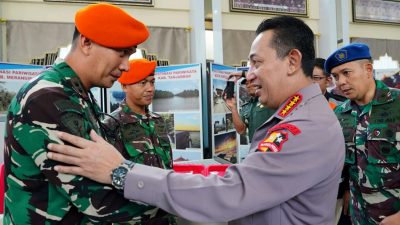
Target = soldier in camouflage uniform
(60,99)
(371,125)
(252,115)
(143,136)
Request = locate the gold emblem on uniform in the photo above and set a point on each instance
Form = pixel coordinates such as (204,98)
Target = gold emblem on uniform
(290,105)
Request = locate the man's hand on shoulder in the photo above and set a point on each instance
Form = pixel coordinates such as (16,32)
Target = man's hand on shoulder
(95,158)
(391,220)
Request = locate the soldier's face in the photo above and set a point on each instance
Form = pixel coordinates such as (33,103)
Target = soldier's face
(108,64)
(267,71)
(140,94)
(355,80)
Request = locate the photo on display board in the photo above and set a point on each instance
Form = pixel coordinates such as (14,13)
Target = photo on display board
(187,130)
(226,147)
(219,123)
(115,96)
(229,122)
(186,155)
(219,105)
(12,78)
(178,99)
(170,126)
(176,95)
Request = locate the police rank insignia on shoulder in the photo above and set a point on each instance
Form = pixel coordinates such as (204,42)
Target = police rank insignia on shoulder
(273,142)
(290,105)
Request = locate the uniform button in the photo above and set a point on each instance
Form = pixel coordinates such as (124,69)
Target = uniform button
(140,184)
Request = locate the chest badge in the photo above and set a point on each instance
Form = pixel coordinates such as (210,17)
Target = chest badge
(273,142)
(290,105)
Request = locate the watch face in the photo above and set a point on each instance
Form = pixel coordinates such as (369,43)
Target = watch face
(118,176)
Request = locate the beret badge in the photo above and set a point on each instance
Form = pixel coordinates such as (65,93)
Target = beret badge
(341,55)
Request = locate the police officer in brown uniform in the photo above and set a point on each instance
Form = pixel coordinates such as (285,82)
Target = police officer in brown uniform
(291,174)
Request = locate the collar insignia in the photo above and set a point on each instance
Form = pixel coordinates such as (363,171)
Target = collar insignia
(290,105)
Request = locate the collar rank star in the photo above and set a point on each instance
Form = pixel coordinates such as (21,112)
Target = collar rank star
(290,105)
(273,142)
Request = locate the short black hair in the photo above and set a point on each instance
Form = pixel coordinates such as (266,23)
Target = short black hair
(291,33)
(320,63)
(76,34)
(74,38)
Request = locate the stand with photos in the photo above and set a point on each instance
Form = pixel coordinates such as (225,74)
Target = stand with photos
(178,100)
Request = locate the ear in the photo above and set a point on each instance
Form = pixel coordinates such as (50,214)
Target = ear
(294,57)
(329,81)
(85,44)
(370,69)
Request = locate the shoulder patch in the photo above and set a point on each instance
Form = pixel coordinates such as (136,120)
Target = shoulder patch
(274,142)
(290,105)
(74,123)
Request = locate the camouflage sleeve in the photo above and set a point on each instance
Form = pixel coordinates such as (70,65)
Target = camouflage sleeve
(36,124)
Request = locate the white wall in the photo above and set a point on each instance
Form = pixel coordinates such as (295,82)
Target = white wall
(165,13)
(176,13)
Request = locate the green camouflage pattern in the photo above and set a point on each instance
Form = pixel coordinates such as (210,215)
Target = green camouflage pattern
(34,192)
(372,137)
(142,139)
(253,114)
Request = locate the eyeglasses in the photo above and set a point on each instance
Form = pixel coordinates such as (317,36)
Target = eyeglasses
(317,78)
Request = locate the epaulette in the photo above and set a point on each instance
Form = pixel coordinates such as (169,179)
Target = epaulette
(291,104)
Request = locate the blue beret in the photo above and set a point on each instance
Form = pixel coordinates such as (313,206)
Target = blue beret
(348,53)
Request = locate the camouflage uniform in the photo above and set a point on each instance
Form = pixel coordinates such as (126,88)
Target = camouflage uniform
(34,192)
(254,114)
(372,135)
(143,139)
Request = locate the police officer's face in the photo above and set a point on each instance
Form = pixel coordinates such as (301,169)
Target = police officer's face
(355,80)
(140,94)
(267,71)
(108,64)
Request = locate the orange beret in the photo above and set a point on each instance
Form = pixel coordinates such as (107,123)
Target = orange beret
(139,69)
(110,26)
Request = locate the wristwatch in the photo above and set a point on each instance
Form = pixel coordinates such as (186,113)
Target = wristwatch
(118,174)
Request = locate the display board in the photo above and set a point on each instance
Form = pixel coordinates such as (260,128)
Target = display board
(178,100)
(12,77)
(243,97)
(224,135)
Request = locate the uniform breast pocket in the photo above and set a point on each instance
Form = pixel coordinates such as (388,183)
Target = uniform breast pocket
(383,146)
(132,132)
